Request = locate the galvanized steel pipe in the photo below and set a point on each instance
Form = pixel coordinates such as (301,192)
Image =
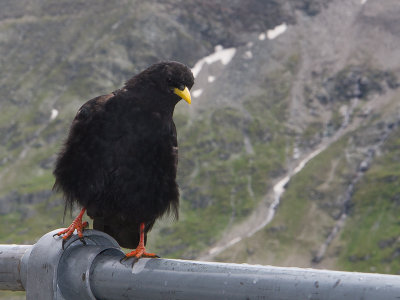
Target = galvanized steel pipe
(94,271)
(10,267)
(179,279)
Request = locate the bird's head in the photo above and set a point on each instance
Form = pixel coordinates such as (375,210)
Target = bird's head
(170,78)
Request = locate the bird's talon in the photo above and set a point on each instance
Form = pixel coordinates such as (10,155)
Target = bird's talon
(76,224)
(125,258)
(63,243)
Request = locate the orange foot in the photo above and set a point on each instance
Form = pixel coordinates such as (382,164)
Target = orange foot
(139,252)
(76,224)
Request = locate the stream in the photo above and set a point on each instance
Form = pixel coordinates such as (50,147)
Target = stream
(257,222)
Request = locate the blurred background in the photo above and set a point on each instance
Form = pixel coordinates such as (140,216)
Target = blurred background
(289,153)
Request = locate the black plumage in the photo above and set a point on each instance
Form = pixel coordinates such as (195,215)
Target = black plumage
(120,158)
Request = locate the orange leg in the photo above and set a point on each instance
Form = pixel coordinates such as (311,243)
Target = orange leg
(140,250)
(76,224)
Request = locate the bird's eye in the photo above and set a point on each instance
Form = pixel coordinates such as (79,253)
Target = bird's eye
(181,87)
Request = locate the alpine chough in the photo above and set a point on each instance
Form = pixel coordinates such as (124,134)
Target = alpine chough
(119,160)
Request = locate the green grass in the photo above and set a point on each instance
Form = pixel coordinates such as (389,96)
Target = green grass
(26,175)
(303,190)
(372,231)
(28,222)
(12,295)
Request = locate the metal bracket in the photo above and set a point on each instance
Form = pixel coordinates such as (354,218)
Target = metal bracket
(54,273)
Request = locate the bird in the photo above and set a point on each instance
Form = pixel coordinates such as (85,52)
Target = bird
(119,160)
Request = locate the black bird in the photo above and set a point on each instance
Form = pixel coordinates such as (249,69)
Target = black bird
(120,159)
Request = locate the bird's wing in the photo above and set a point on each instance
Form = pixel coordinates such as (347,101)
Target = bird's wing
(92,108)
(89,125)
(174,140)
(84,135)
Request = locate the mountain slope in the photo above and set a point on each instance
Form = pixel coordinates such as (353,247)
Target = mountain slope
(295,78)
(51,67)
(328,213)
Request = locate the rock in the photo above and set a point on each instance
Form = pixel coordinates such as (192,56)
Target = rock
(363,166)
(13,201)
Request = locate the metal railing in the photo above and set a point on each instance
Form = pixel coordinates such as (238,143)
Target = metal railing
(94,271)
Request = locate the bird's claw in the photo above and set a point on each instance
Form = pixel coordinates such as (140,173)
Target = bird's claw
(137,254)
(125,258)
(68,232)
(83,241)
(63,243)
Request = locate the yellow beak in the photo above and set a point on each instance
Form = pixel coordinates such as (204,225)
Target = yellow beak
(185,94)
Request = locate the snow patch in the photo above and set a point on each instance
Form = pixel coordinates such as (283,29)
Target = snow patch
(261,37)
(115,25)
(220,54)
(277,31)
(197,93)
(197,67)
(54,114)
(296,153)
(229,244)
(343,110)
(248,146)
(279,189)
(211,78)
(248,55)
